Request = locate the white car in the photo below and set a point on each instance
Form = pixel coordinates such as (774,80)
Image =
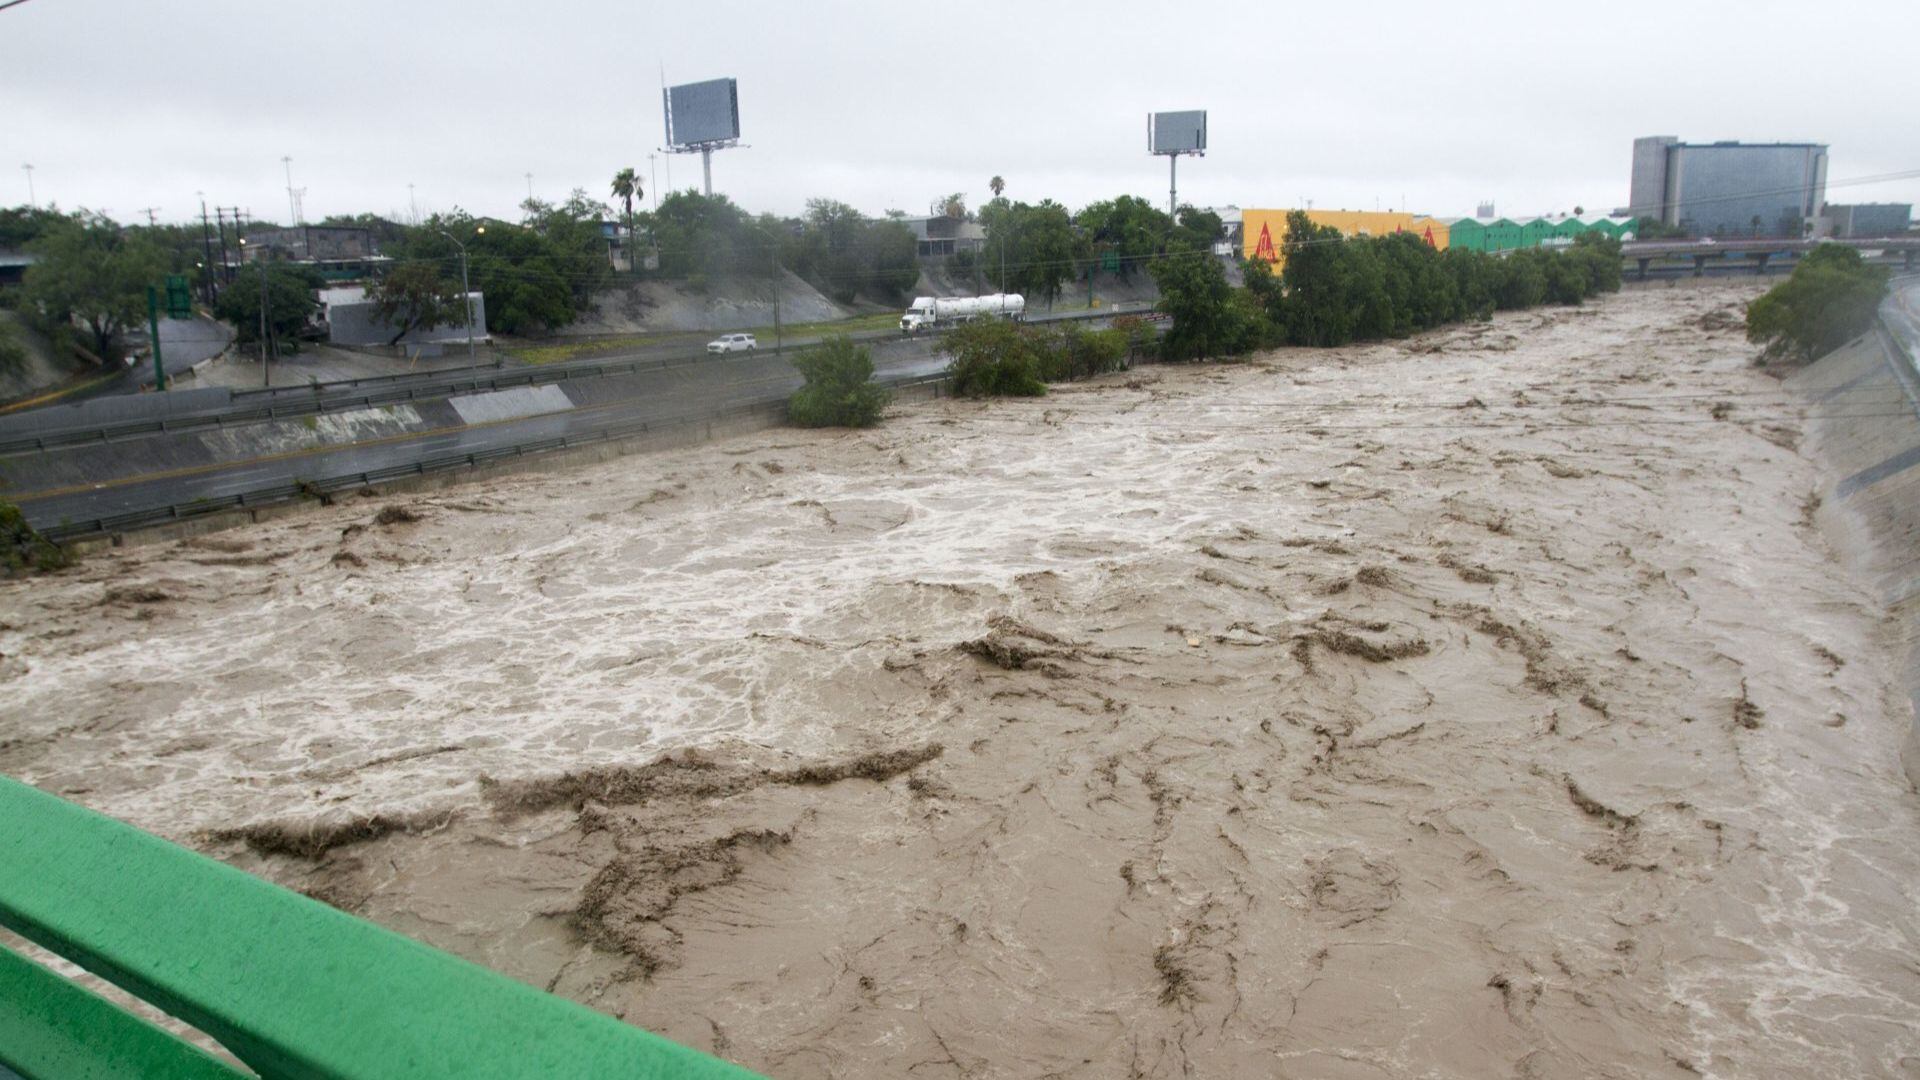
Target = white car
(730,343)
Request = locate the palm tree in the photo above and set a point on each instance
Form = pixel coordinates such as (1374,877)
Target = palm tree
(626,185)
(997,185)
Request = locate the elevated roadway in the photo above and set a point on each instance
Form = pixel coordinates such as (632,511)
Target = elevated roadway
(1758,252)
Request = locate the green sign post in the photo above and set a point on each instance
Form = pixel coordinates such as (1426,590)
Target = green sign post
(153,333)
(179,297)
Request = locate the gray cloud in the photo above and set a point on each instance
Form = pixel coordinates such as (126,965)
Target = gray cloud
(125,105)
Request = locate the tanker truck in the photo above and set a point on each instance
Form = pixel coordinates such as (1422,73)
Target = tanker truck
(930,312)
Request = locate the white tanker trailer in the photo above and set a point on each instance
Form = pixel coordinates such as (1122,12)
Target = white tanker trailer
(935,312)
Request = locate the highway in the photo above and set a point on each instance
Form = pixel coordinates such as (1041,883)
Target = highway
(141,479)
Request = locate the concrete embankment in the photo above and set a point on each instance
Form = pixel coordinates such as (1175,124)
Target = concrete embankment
(1865,424)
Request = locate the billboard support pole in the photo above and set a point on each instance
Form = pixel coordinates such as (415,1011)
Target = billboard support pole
(1173,184)
(706,168)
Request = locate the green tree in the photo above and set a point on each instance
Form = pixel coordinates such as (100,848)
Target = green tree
(535,277)
(91,272)
(992,358)
(708,237)
(1196,229)
(1598,257)
(1523,281)
(414,296)
(626,188)
(1210,317)
(1032,250)
(1132,228)
(13,354)
(290,301)
(384,231)
(20,225)
(1329,288)
(1828,300)
(839,389)
(996,185)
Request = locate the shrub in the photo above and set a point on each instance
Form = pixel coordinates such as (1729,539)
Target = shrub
(1072,352)
(13,355)
(1143,341)
(839,389)
(1523,280)
(22,547)
(1829,300)
(1598,256)
(993,359)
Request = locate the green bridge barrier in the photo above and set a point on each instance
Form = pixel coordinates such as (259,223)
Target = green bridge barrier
(290,986)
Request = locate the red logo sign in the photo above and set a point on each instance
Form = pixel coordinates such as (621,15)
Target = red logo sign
(1264,248)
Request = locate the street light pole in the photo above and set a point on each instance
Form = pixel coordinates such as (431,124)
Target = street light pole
(31,200)
(466,293)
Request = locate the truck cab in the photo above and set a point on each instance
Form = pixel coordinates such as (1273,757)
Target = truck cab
(920,313)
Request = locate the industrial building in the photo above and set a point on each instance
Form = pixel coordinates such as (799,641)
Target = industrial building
(942,235)
(340,253)
(1263,233)
(1728,189)
(1875,220)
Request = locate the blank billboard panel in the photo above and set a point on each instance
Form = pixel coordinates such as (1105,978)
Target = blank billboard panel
(702,112)
(1177,132)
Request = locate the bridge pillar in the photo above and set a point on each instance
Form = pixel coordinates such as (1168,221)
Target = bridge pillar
(1760,261)
(1699,266)
(1643,261)
(1906,260)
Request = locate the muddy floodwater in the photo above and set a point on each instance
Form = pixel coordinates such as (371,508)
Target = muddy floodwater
(1480,705)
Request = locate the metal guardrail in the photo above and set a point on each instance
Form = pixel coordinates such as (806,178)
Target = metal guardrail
(296,406)
(270,494)
(288,985)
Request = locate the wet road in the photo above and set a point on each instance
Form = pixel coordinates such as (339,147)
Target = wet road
(656,397)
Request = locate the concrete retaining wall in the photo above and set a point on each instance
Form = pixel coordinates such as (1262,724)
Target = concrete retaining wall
(665,437)
(1865,399)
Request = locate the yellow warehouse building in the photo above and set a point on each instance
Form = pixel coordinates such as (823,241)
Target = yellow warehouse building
(1263,233)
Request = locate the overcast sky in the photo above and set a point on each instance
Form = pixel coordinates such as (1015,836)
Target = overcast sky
(126,104)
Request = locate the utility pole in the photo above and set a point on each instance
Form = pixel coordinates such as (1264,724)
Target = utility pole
(413,207)
(206,241)
(653,174)
(31,201)
(226,265)
(266,366)
(148,210)
(529,187)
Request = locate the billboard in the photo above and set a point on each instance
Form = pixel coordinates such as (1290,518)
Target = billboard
(1177,132)
(702,112)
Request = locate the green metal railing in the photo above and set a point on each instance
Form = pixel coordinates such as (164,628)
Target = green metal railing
(288,985)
